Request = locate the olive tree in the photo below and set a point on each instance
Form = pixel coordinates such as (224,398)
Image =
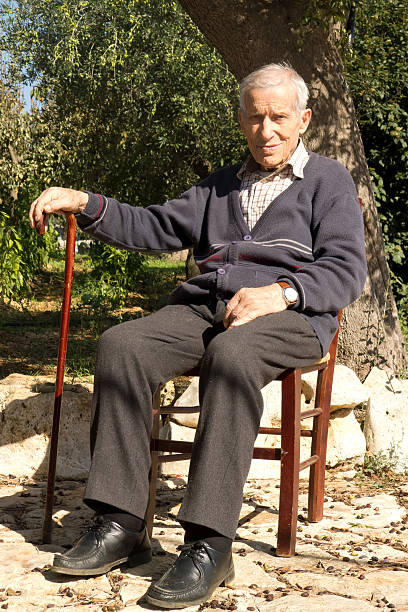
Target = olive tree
(250,33)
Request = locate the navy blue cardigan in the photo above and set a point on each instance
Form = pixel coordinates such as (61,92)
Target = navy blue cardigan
(310,236)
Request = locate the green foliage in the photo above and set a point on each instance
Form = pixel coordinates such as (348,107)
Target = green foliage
(149,280)
(116,273)
(380,463)
(21,252)
(10,258)
(141,105)
(133,101)
(325,13)
(377,71)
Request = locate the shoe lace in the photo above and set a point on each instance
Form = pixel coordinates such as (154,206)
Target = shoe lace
(98,526)
(196,551)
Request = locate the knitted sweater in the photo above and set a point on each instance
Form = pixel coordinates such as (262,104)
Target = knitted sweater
(310,236)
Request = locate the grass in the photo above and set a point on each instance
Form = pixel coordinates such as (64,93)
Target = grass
(29,331)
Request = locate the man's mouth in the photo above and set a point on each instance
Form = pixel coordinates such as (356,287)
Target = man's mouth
(269,148)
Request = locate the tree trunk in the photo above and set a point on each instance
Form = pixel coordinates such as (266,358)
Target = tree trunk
(250,33)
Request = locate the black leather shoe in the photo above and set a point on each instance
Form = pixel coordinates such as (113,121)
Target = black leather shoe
(104,545)
(193,577)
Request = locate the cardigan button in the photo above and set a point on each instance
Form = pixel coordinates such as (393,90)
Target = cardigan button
(247,237)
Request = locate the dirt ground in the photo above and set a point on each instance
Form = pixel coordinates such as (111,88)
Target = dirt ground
(29,329)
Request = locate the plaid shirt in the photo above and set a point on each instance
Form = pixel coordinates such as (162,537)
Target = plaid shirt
(259,187)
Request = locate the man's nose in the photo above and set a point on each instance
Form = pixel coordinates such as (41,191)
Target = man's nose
(267,129)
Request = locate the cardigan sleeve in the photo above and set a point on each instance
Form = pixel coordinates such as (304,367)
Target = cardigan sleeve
(337,275)
(172,226)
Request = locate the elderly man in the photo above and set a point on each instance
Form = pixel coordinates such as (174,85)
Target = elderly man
(280,247)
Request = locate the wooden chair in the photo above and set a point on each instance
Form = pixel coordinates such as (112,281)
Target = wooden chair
(288,454)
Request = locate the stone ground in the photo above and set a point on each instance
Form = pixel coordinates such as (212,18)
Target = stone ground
(353,560)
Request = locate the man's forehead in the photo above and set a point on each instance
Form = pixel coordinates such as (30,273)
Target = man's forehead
(282,95)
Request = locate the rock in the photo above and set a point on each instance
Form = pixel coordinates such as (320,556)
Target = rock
(383,379)
(20,558)
(167,393)
(189,398)
(247,573)
(260,469)
(26,406)
(323,603)
(347,392)
(389,511)
(263,469)
(392,585)
(345,439)
(272,395)
(334,555)
(345,442)
(177,255)
(386,428)
(174,431)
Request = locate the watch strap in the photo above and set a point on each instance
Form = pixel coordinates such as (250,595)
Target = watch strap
(284,285)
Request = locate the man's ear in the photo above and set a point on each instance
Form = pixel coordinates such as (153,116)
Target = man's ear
(305,120)
(240,120)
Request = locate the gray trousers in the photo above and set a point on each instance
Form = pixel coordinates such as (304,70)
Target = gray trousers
(134,358)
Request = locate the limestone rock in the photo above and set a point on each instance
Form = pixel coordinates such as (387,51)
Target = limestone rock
(174,431)
(347,391)
(383,379)
(345,442)
(366,574)
(177,255)
(272,396)
(386,427)
(26,407)
(264,470)
(189,398)
(20,558)
(247,573)
(167,393)
(391,584)
(323,603)
(345,439)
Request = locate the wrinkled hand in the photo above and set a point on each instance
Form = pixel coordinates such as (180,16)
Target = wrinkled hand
(250,303)
(55,200)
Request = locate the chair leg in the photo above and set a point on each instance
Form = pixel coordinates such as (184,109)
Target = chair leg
(319,448)
(290,459)
(154,465)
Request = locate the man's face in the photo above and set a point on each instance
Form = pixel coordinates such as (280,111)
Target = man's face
(272,125)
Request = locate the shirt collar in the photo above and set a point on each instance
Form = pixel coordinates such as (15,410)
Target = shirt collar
(298,161)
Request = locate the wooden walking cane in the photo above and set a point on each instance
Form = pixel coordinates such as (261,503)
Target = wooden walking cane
(62,351)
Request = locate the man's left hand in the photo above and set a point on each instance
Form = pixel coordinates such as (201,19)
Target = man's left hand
(249,303)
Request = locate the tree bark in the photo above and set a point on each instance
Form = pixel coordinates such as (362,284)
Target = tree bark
(250,33)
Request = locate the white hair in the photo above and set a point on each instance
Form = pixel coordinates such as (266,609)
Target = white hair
(272,75)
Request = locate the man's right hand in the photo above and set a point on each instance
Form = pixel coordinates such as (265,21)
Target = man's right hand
(55,200)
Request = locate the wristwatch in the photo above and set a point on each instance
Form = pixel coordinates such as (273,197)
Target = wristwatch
(289,294)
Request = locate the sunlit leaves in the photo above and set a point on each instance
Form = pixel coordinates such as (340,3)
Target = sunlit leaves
(377,71)
(21,253)
(133,102)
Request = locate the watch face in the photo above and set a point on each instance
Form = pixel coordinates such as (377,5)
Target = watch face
(291,294)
